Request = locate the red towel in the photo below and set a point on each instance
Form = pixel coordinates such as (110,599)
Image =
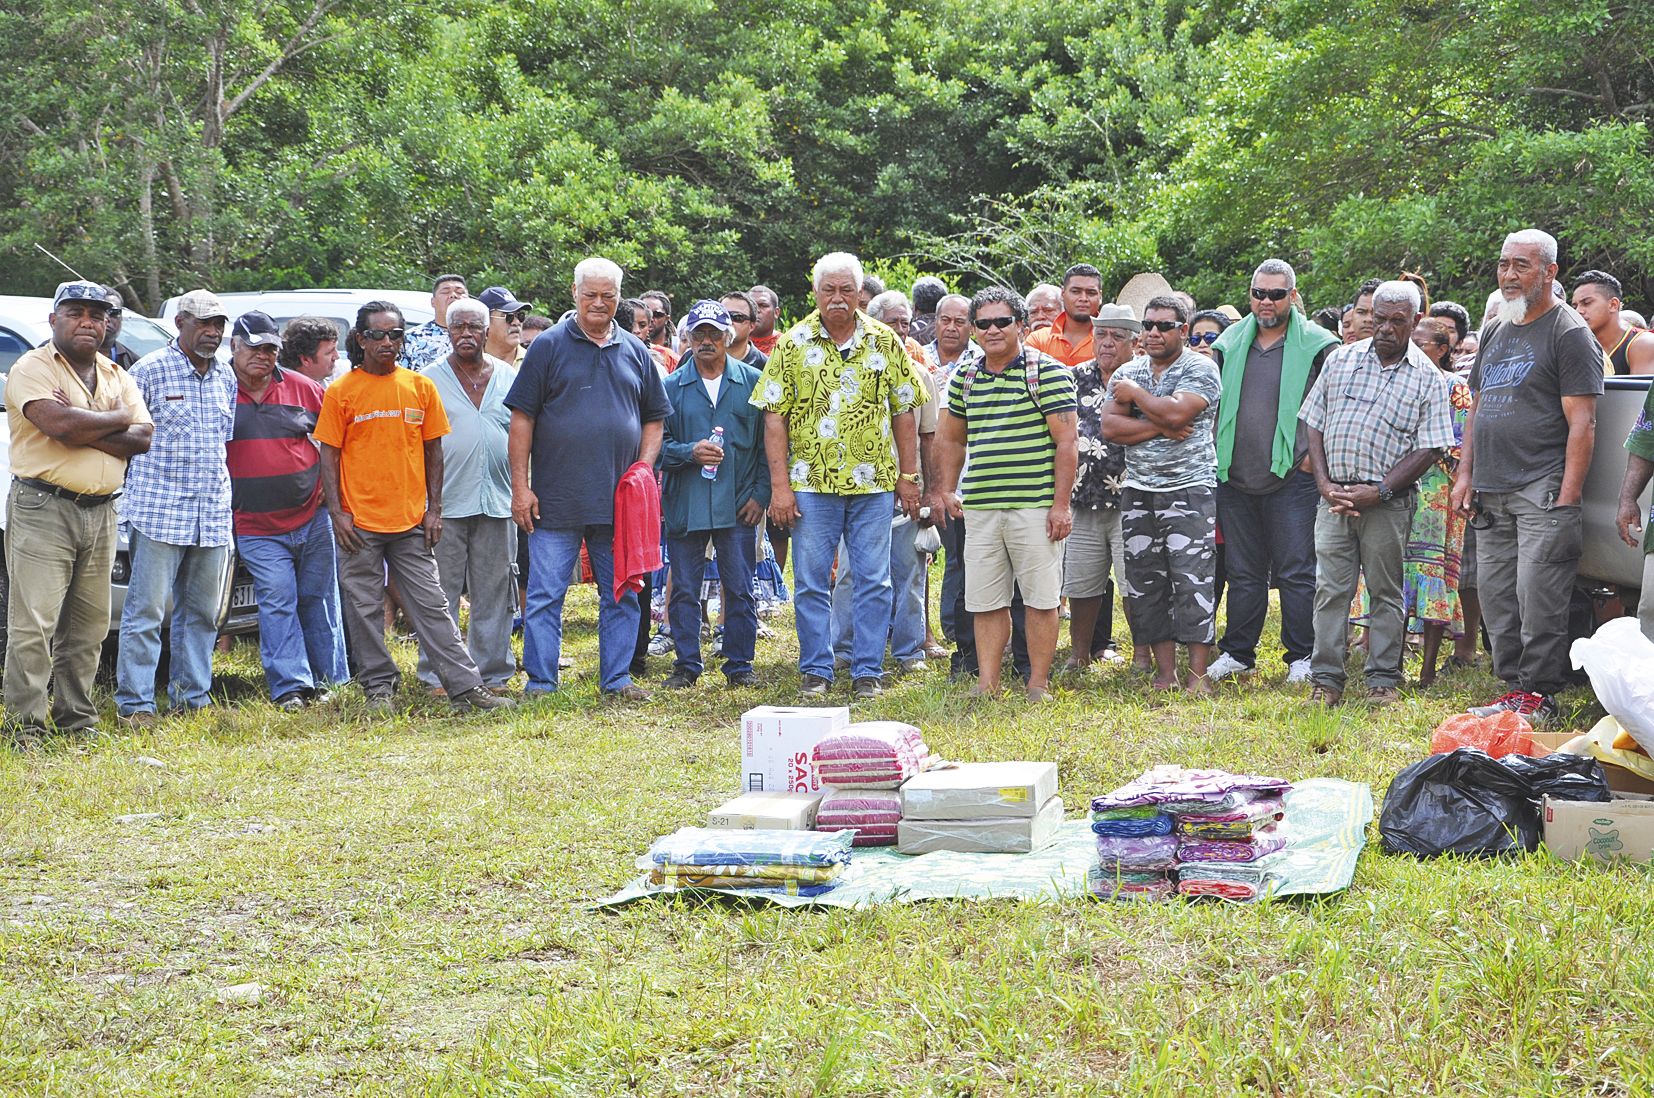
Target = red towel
(637,528)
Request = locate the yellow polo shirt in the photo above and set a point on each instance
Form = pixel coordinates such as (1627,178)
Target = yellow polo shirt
(35,455)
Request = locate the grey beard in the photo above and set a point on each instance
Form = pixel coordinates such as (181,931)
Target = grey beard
(1514,312)
(1279,319)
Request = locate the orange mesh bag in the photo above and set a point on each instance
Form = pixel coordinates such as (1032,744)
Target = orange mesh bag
(1505,734)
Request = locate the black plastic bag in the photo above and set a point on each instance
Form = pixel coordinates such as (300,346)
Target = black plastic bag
(1565,777)
(1462,802)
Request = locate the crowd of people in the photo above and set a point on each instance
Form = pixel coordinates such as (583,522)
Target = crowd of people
(1390,467)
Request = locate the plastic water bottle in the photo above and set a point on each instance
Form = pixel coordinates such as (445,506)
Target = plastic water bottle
(710,472)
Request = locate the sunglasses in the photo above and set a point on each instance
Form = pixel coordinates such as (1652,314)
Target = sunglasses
(659,314)
(374,335)
(503,315)
(1001,322)
(740,318)
(1479,519)
(1161,325)
(1208,338)
(1277,294)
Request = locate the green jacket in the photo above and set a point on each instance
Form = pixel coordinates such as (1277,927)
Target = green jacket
(688,501)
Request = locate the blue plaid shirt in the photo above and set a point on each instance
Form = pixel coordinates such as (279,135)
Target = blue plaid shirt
(179,492)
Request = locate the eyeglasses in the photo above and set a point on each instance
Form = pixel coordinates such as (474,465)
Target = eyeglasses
(1161,325)
(1208,338)
(1001,322)
(374,335)
(659,314)
(503,315)
(740,318)
(1276,294)
(466,326)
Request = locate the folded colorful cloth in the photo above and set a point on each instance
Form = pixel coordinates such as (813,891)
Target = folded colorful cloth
(872,813)
(1223,890)
(1215,850)
(1174,787)
(866,834)
(773,874)
(1137,812)
(1129,886)
(664,878)
(1136,853)
(1157,824)
(705,846)
(1258,809)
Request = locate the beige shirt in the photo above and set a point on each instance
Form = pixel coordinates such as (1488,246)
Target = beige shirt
(35,455)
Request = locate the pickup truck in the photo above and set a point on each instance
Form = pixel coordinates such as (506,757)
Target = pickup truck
(1607,561)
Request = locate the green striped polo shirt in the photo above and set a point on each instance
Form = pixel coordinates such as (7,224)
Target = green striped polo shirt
(1010,457)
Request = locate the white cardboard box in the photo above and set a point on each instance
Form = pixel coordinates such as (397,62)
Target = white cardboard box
(1609,831)
(995,835)
(769,811)
(974,791)
(776,741)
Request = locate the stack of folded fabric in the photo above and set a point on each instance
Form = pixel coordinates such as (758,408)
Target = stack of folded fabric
(1136,853)
(872,755)
(871,813)
(1244,833)
(799,863)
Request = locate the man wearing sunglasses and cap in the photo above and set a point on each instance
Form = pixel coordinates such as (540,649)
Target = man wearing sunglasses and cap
(178,509)
(505,325)
(75,419)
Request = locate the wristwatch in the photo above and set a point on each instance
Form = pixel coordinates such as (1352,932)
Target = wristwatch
(912,478)
(1385,492)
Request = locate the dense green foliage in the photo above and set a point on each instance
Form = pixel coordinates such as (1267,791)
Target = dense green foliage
(159,144)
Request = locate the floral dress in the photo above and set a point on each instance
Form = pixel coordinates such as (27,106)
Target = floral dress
(1435,546)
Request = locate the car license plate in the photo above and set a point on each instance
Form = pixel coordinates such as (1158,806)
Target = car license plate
(242,597)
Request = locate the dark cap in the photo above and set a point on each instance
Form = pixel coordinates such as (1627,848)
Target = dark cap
(256,329)
(501,299)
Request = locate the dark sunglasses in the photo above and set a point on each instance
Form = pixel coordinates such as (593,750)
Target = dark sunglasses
(1197,338)
(376,334)
(1161,325)
(1479,519)
(1002,322)
(1277,294)
(740,318)
(659,314)
(503,315)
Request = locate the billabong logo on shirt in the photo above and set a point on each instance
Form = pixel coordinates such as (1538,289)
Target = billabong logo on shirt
(415,416)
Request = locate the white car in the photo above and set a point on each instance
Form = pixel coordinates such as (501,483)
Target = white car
(24,324)
(339,306)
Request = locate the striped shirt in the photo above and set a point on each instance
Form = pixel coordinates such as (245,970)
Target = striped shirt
(1009,449)
(179,490)
(275,487)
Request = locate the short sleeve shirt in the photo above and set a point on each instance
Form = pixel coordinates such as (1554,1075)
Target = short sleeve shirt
(476,470)
(839,403)
(1008,443)
(1054,343)
(1522,372)
(275,481)
(1371,416)
(380,424)
(38,456)
(424,344)
(1162,464)
(1102,466)
(1641,443)
(178,491)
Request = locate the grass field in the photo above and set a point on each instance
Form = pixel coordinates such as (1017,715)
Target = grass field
(412,898)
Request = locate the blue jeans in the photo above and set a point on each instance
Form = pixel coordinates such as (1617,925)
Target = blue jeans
(863,523)
(191,578)
(907,600)
(301,637)
(1269,538)
(734,546)
(553,555)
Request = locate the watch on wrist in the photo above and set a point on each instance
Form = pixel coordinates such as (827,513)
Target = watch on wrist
(1385,492)
(911,478)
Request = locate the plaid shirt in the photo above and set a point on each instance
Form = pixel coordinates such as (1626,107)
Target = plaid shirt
(179,491)
(1371,416)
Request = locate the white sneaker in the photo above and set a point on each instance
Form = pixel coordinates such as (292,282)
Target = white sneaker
(1226,665)
(1298,671)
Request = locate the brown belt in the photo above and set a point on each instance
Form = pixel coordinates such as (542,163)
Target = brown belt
(80,499)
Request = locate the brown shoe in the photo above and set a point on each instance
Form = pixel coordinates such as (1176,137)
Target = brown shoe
(1383,695)
(1325,696)
(140,719)
(628,693)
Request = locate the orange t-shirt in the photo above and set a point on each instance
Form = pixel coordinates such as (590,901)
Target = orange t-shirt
(1052,341)
(380,424)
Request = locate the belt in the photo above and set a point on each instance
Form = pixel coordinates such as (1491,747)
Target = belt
(79,499)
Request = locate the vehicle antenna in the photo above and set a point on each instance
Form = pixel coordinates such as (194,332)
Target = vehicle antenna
(60,262)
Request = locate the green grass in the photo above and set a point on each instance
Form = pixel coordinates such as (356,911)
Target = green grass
(414,895)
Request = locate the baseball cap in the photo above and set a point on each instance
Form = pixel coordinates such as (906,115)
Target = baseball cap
(502,299)
(256,329)
(80,290)
(202,305)
(1114,315)
(706,312)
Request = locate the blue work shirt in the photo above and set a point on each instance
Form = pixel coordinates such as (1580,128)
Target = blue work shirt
(688,501)
(178,491)
(476,470)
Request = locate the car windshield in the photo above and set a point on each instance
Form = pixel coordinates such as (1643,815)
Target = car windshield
(141,335)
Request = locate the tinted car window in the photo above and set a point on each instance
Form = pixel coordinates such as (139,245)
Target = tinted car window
(12,346)
(141,335)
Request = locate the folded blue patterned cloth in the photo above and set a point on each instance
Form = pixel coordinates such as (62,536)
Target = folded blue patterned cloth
(1134,827)
(709,846)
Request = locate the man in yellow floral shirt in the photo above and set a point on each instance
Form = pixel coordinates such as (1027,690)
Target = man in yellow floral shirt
(839,394)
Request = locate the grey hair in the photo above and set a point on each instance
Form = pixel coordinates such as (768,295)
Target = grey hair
(1045,289)
(1398,291)
(468,306)
(1278,267)
(1545,242)
(882,304)
(837,263)
(597,267)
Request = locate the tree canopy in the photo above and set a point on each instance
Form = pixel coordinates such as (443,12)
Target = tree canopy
(253,144)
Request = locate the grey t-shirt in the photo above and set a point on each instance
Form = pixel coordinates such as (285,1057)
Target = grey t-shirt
(1251,460)
(1522,372)
(1162,464)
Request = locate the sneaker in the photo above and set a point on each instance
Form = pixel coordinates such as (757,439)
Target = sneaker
(1298,670)
(1225,666)
(915,666)
(480,698)
(1537,708)
(1112,655)
(1327,696)
(1540,711)
(1510,702)
(1383,695)
(745,678)
(291,703)
(764,632)
(631,692)
(381,702)
(660,645)
(140,719)
(813,686)
(678,680)
(866,689)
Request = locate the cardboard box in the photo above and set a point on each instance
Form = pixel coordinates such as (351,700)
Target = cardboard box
(995,835)
(770,811)
(1620,780)
(1609,831)
(776,741)
(974,791)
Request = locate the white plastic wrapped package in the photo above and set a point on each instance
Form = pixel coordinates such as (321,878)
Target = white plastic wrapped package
(976,790)
(1620,662)
(993,835)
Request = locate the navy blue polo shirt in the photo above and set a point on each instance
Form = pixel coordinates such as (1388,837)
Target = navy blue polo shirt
(589,405)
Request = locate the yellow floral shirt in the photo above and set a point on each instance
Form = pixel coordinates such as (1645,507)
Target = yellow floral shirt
(839,404)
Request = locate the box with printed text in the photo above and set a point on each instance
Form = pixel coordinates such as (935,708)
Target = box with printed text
(776,741)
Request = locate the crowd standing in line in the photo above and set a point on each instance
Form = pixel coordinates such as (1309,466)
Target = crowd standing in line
(1386,466)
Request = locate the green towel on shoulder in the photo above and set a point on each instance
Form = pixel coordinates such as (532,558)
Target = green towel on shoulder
(1303,342)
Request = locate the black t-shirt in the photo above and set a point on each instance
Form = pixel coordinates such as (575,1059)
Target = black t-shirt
(1522,372)
(589,405)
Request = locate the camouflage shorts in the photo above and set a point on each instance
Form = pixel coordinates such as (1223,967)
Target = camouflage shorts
(1171,559)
